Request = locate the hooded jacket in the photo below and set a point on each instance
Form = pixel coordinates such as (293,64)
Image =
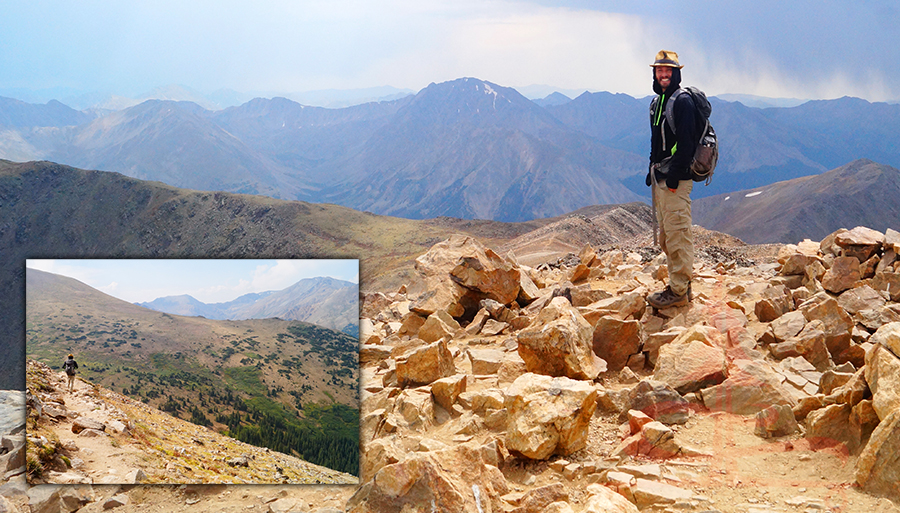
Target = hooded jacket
(683,141)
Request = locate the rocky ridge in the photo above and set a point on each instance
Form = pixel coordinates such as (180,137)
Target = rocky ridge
(94,435)
(557,389)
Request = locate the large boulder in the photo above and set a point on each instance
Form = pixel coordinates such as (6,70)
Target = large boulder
(860,242)
(615,340)
(463,478)
(751,386)
(558,342)
(548,415)
(838,325)
(689,365)
(842,275)
(878,466)
(425,364)
(882,370)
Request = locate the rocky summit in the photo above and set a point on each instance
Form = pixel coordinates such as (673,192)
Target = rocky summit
(493,386)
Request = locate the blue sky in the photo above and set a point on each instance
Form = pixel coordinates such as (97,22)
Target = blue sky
(210,281)
(798,48)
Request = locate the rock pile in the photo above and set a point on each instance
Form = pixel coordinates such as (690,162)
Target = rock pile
(496,364)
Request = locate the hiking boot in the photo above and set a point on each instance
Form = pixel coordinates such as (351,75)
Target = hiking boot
(668,299)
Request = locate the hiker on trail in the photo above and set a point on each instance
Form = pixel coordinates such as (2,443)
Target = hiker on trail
(670,179)
(70,365)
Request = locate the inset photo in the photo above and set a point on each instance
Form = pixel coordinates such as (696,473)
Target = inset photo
(192,371)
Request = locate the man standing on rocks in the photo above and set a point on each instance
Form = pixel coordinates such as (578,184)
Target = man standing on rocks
(70,365)
(669,177)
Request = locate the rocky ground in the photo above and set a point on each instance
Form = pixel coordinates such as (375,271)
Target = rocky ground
(501,387)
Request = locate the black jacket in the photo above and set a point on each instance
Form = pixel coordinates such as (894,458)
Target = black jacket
(684,140)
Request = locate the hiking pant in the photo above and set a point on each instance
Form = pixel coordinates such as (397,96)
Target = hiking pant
(71,381)
(673,214)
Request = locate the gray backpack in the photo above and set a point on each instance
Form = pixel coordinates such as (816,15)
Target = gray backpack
(707,154)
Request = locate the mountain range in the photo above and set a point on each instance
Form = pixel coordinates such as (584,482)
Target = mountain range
(324,301)
(465,148)
(50,211)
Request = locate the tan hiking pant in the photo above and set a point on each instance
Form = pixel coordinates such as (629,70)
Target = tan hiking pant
(71,381)
(673,214)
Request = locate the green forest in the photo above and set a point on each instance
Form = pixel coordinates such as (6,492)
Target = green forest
(327,435)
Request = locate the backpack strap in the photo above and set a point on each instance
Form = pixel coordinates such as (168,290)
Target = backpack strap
(670,108)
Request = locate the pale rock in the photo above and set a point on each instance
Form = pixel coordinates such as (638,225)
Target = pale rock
(137,475)
(623,306)
(584,295)
(485,361)
(416,407)
(863,421)
(838,323)
(411,324)
(860,298)
(843,274)
(558,343)
(887,261)
(775,421)
(889,337)
(528,290)
(82,423)
(853,391)
(788,325)
(828,244)
(371,354)
(482,270)
(492,328)
(482,401)
(478,321)
(878,466)
(539,499)
(776,300)
(688,366)
(615,340)
(727,319)
(831,423)
(751,386)
(372,304)
(649,493)
(440,294)
(655,440)
(580,273)
(447,390)
(892,240)
(548,415)
(860,241)
(612,258)
(283,505)
(603,500)
(809,343)
(115,501)
(831,379)
(882,373)
(438,325)
(511,368)
(796,264)
(656,340)
(455,479)
(425,365)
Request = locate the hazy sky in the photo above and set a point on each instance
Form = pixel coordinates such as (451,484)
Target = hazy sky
(210,281)
(795,48)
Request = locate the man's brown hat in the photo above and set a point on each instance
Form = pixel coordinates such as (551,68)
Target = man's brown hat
(666,58)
